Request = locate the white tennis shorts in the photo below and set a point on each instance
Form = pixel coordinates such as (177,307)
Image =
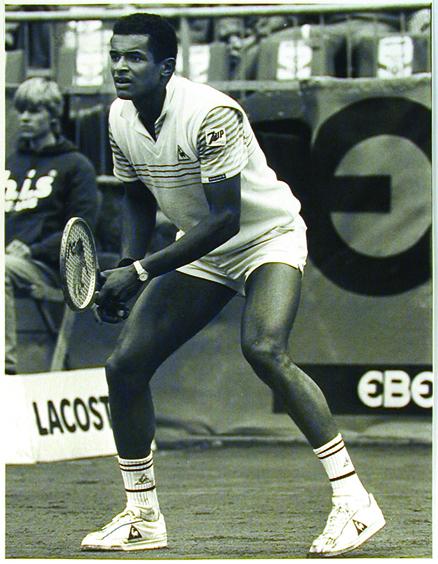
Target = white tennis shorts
(286,245)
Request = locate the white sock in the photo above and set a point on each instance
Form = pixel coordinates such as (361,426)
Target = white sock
(339,468)
(139,481)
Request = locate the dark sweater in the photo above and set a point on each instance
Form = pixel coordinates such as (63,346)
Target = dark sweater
(43,190)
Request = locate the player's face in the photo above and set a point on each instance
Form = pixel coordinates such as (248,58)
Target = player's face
(134,71)
(34,123)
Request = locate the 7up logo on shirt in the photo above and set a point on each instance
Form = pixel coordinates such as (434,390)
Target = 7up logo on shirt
(216,137)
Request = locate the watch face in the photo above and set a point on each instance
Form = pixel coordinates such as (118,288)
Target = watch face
(141,272)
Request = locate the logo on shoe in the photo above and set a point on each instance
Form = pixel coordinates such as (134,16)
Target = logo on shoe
(134,533)
(360,527)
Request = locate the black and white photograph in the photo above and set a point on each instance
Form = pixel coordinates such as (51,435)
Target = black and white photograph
(218,257)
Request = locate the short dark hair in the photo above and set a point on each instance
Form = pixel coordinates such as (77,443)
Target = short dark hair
(162,35)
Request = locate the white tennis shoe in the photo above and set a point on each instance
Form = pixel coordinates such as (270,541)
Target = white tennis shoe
(349,524)
(128,531)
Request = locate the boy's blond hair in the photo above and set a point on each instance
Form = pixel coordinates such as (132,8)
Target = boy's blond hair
(39,92)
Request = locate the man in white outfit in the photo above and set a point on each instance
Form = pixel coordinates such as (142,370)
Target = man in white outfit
(190,150)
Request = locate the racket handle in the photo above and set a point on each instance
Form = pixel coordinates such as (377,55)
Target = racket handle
(123,312)
(95,310)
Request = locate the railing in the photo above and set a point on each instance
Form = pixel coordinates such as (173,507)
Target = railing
(184,16)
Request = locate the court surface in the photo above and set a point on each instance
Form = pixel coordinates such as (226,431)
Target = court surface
(221,502)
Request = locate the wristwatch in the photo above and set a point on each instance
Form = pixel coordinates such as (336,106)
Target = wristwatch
(143,275)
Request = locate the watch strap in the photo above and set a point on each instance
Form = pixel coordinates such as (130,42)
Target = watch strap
(143,274)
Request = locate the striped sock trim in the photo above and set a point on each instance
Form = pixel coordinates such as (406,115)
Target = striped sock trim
(139,483)
(336,444)
(339,468)
(136,467)
(138,474)
(129,463)
(141,489)
(342,477)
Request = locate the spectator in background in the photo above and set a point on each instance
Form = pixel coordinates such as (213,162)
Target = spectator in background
(233,32)
(47,181)
(201,31)
(200,37)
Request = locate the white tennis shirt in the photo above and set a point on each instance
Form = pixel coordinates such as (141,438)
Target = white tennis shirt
(204,136)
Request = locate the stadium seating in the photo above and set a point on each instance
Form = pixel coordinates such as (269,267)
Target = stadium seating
(39,318)
(294,58)
(393,55)
(207,62)
(70,71)
(15,71)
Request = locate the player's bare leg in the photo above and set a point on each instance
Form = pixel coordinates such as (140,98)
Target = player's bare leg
(273,293)
(171,310)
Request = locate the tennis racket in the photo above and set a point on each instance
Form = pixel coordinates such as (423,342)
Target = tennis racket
(80,274)
(79,267)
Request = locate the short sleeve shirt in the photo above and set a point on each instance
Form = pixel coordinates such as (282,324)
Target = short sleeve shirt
(221,144)
(221,147)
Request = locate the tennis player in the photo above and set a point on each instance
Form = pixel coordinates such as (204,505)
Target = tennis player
(189,150)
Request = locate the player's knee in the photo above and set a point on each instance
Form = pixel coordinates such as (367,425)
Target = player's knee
(263,351)
(126,371)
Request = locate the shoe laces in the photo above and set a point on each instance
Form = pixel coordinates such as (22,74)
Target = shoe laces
(127,512)
(339,515)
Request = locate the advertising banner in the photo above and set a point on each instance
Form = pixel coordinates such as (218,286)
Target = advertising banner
(358,155)
(56,416)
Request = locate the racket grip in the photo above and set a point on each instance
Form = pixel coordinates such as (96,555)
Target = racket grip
(100,280)
(95,310)
(123,312)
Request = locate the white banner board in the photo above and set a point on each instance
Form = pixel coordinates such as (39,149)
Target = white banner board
(56,416)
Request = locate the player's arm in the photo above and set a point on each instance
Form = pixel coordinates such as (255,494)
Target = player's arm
(222,223)
(138,223)
(220,171)
(138,220)
(139,211)
(222,154)
(139,206)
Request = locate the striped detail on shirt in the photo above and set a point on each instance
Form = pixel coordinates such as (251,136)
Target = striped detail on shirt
(221,145)
(222,149)
(122,167)
(178,175)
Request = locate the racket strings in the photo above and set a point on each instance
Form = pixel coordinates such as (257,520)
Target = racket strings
(80,266)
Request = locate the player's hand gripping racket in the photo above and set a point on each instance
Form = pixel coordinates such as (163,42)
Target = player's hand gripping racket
(80,276)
